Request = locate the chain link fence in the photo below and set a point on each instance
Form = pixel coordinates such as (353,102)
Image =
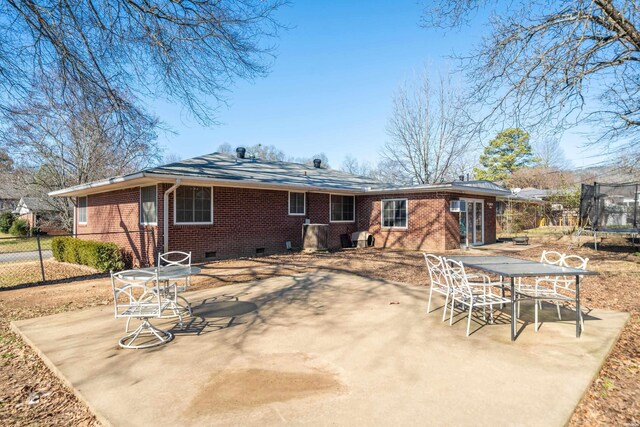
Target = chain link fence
(28,260)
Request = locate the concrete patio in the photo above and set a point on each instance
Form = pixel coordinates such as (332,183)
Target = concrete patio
(324,348)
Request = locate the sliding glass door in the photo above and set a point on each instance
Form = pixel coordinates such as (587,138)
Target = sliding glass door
(472,223)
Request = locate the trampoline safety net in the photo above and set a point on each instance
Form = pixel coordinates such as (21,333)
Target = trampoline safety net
(610,207)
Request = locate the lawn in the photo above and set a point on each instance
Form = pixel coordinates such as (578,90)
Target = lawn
(12,244)
(613,399)
(25,272)
(548,231)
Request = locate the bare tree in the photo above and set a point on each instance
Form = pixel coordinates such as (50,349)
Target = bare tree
(115,49)
(428,131)
(351,165)
(556,63)
(59,144)
(550,154)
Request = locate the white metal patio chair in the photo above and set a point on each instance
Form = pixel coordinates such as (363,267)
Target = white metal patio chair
(469,294)
(139,299)
(439,282)
(560,289)
(547,257)
(176,259)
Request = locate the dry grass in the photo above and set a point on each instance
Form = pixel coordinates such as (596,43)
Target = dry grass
(613,399)
(25,272)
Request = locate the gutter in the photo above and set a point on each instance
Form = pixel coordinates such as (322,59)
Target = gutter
(95,184)
(279,187)
(165,219)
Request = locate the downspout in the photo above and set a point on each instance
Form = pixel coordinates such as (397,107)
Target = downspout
(75,206)
(165,219)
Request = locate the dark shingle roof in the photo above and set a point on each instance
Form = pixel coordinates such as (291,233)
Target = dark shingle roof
(225,167)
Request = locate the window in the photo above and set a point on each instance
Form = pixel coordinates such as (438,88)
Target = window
(148,210)
(193,205)
(342,208)
(82,210)
(394,213)
(296,203)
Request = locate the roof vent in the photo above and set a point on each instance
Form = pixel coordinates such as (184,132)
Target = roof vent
(317,163)
(240,152)
(461,177)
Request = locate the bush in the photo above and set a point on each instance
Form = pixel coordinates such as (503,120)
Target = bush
(6,221)
(20,227)
(100,255)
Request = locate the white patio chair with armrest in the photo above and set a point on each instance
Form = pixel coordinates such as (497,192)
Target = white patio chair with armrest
(139,299)
(547,257)
(439,282)
(471,295)
(561,289)
(177,259)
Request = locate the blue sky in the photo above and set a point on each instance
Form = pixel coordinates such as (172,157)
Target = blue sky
(331,85)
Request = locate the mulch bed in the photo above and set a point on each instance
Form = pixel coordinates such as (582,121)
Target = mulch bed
(31,395)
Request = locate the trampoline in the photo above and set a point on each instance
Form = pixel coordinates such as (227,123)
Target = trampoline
(610,208)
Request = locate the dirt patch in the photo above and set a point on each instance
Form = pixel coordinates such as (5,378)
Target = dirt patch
(248,388)
(613,399)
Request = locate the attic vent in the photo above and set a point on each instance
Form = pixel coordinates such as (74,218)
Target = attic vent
(317,163)
(240,152)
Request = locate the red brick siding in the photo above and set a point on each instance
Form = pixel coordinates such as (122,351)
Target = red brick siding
(431,226)
(247,219)
(318,211)
(244,220)
(117,213)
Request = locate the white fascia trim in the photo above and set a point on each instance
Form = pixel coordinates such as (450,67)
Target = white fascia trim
(96,184)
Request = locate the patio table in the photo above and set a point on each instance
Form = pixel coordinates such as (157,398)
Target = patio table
(506,266)
(165,274)
(170,272)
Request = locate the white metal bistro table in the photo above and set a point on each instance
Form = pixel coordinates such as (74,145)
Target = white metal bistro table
(506,266)
(170,272)
(165,275)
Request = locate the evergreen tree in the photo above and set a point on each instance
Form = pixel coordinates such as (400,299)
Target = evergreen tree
(509,151)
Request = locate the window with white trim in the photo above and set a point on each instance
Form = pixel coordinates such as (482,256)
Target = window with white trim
(343,208)
(394,213)
(297,203)
(193,205)
(82,209)
(148,207)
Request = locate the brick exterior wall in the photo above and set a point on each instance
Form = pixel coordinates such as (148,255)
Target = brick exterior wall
(431,226)
(114,217)
(246,219)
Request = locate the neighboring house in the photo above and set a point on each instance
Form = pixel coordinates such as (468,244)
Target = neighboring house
(37,213)
(219,206)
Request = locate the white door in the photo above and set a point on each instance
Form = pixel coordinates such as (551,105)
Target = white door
(472,223)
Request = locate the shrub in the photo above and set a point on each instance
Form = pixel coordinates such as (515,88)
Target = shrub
(20,227)
(6,221)
(100,255)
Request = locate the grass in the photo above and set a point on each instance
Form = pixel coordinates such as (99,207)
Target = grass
(12,244)
(18,273)
(550,231)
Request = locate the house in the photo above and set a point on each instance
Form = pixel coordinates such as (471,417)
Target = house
(38,212)
(220,206)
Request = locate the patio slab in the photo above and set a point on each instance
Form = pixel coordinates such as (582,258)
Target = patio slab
(324,348)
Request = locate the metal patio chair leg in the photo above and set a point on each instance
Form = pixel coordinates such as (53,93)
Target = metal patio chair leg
(444,308)
(146,329)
